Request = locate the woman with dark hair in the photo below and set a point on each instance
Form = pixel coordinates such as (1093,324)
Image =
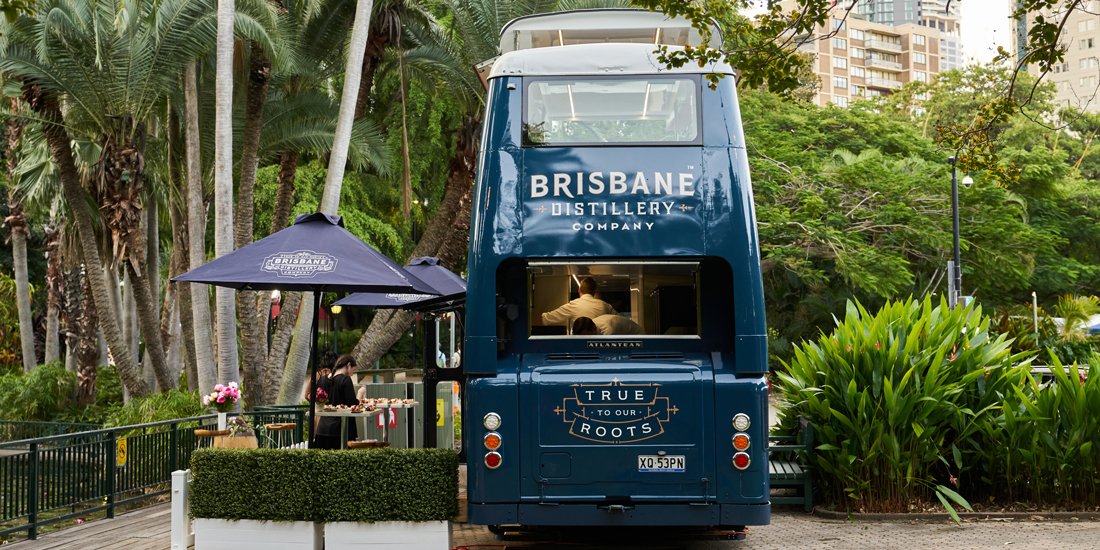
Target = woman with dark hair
(341,391)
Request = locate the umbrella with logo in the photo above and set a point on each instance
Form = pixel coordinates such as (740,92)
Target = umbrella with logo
(316,255)
(450,290)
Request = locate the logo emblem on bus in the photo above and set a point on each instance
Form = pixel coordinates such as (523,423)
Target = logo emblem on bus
(616,413)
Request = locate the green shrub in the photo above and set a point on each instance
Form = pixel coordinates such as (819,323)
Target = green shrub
(264,484)
(167,405)
(903,402)
(1050,439)
(40,395)
(313,485)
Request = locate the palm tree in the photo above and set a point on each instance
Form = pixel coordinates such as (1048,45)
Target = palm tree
(113,64)
(1075,312)
(225,298)
(17,223)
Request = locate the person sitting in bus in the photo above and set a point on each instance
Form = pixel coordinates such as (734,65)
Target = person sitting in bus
(610,324)
(587,305)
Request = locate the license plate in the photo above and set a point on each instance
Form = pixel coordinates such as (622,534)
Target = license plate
(658,463)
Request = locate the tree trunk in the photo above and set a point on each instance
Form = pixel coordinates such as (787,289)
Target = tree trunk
(280,340)
(196,230)
(71,306)
(87,348)
(17,222)
(298,357)
(54,287)
(372,59)
(284,198)
(149,322)
(177,216)
(446,238)
(48,109)
(225,301)
(249,304)
(280,347)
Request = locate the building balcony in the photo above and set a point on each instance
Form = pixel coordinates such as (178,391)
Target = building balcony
(881,45)
(882,64)
(883,83)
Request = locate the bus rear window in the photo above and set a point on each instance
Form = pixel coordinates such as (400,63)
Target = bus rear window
(575,299)
(593,111)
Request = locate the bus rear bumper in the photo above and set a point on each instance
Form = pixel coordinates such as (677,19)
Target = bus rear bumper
(650,515)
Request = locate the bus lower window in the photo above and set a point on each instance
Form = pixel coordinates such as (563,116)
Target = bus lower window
(611,110)
(613,299)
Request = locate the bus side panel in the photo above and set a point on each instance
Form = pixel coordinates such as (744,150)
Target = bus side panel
(489,487)
(733,395)
(729,205)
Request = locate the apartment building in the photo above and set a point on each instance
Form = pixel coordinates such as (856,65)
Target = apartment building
(865,59)
(1077,78)
(941,15)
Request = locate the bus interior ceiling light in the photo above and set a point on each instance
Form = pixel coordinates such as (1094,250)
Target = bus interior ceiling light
(741,422)
(491,421)
(657,36)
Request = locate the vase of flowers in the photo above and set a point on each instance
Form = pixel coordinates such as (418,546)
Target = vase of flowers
(322,396)
(223,399)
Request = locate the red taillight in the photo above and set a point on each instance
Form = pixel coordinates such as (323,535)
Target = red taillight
(741,461)
(493,460)
(741,442)
(492,441)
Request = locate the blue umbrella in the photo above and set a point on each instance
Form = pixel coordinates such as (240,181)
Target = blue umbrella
(315,254)
(449,289)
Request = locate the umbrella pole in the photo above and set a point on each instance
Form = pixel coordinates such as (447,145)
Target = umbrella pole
(313,374)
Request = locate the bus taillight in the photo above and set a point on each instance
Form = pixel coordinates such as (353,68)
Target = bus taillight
(741,422)
(491,421)
(741,441)
(493,460)
(740,461)
(492,441)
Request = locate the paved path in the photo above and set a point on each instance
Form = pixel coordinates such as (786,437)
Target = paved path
(148,529)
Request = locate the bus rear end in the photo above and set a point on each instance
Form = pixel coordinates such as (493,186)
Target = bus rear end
(615,337)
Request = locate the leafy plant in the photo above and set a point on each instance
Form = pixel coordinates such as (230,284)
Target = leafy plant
(40,395)
(900,400)
(171,404)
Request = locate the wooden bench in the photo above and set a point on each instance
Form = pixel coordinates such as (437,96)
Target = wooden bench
(785,469)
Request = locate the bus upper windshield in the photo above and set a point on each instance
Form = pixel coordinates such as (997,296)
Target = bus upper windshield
(614,299)
(619,110)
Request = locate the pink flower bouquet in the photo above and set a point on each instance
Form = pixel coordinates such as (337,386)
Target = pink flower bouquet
(223,398)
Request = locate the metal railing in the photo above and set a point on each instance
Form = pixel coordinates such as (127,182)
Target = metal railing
(55,478)
(11,430)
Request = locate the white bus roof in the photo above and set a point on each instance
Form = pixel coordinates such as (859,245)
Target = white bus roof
(593,59)
(597,26)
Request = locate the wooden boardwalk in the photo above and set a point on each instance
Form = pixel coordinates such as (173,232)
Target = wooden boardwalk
(144,529)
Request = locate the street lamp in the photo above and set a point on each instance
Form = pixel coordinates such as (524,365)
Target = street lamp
(955,286)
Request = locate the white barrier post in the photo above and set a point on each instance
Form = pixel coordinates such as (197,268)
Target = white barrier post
(182,535)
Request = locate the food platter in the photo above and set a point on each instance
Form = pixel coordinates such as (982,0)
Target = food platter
(388,403)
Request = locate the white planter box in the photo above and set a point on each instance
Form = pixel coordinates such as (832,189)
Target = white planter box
(246,534)
(401,535)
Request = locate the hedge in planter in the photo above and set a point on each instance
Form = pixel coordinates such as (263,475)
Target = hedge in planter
(263,484)
(325,486)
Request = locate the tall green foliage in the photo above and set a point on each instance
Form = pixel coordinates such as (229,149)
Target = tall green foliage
(899,400)
(1049,439)
(40,395)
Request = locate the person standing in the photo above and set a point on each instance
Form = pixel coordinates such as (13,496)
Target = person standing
(587,305)
(341,389)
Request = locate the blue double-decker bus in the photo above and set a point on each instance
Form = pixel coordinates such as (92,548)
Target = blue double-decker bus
(615,341)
